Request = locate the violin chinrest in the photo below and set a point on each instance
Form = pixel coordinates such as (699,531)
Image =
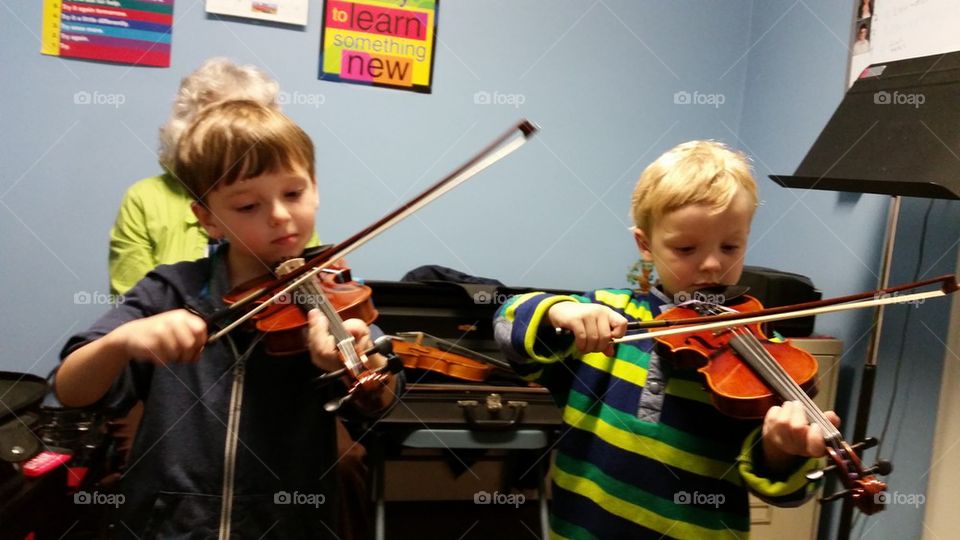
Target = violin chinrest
(720,294)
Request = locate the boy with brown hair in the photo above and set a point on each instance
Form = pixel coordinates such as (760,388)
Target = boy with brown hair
(232,442)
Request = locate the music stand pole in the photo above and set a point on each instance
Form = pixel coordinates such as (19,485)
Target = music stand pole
(870,366)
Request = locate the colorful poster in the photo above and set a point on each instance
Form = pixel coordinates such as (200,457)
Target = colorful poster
(281,11)
(387,43)
(122,31)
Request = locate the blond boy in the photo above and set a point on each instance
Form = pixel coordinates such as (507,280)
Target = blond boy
(644,454)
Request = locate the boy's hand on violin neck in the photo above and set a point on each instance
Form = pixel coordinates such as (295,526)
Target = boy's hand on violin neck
(323,346)
(170,337)
(787,433)
(592,325)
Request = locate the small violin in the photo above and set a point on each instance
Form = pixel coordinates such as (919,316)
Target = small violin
(284,322)
(284,325)
(418,355)
(747,373)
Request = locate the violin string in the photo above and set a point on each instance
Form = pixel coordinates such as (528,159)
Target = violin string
(353,363)
(796,392)
(775,371)
(790,387)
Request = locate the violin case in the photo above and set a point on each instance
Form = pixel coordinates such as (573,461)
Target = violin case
(461,313)
(476,406)
(774,288)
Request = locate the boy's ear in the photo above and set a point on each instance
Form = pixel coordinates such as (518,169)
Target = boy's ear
(205,217)
(643,243)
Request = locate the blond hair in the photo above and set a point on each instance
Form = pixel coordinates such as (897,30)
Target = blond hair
(695,172)
(239,139)
(218,79)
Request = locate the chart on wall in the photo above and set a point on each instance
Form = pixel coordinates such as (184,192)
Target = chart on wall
(280,11)
(889,30)
(123,31)
(386,43)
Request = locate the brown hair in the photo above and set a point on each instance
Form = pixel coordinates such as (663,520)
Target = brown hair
(235,140)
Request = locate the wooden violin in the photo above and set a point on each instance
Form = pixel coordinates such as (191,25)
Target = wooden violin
(747,373)
(418,350)
(284,326)
(284,322)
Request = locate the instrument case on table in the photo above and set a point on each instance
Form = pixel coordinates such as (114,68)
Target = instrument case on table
(478,407)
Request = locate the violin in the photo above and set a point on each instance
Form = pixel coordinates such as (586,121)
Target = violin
(284,322)
(424,353)
(747,373)
(284,327)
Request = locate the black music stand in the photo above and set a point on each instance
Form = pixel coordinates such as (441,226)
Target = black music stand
(896,132)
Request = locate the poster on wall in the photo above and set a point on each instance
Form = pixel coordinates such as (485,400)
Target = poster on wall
(280,11)
(121,31)
(891,30)
(387,43)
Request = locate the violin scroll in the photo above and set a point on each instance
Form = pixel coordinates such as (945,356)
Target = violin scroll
(860,484)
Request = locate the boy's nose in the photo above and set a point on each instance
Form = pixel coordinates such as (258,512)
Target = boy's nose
(711,264)
(279,213)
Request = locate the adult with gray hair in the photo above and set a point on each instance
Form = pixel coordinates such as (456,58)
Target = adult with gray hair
(155,224)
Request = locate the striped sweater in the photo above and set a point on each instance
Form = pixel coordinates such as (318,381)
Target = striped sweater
(643,453)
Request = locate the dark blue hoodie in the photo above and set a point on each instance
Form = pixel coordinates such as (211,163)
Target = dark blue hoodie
(186,476)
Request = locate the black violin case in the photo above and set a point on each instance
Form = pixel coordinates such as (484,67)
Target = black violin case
(461,313)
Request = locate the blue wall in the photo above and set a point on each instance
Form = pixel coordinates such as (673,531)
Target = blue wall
(599,78)
(605,80)
(796,77)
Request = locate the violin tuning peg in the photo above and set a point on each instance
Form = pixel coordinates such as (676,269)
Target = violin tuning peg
(330,376)
(383,345)
(815,475)
(865,444)
(881,467)
(394,364)
(334,404)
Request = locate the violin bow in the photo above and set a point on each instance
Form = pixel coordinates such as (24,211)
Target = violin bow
(505,144)
(948,285)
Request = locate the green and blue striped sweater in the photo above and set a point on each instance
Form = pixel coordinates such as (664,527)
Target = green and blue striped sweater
(643,453)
